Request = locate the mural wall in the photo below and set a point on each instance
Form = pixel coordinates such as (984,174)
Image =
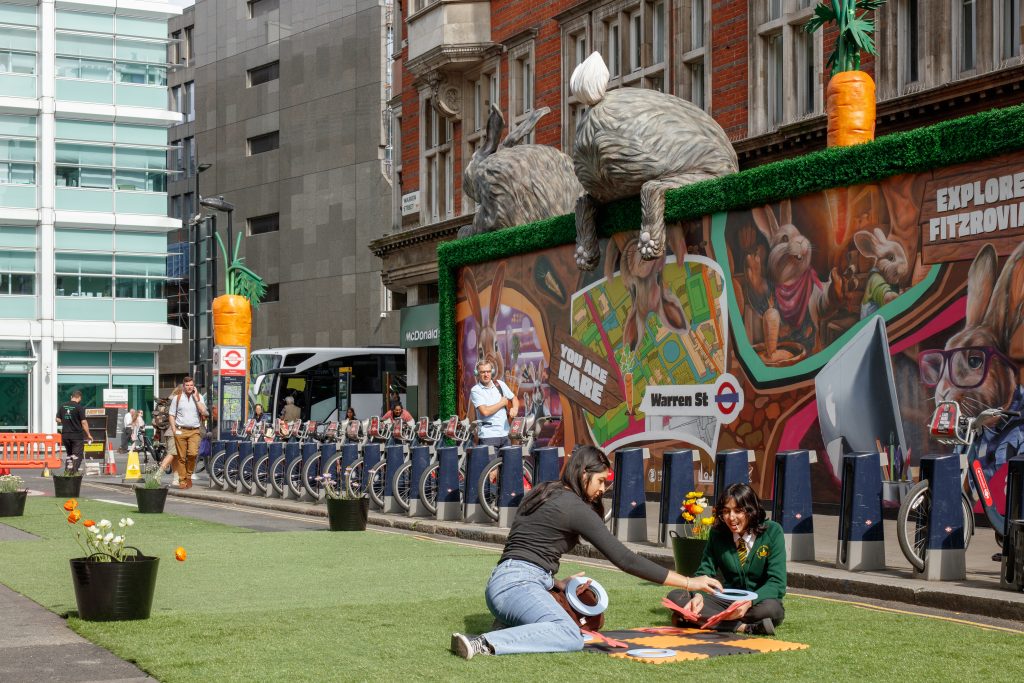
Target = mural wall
(717,345)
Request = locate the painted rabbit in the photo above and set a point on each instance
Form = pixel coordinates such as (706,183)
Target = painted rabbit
(635,141)
(487,336)
(888,271)
(646,286)
(515,184)
(797,298)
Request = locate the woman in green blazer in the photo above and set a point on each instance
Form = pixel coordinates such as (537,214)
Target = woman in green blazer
(747,552)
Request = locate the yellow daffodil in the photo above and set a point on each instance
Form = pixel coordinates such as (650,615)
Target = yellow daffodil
(707,521)
(688,517)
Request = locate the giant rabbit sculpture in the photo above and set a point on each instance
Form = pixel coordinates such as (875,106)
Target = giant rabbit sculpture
(633,141)
(516,183)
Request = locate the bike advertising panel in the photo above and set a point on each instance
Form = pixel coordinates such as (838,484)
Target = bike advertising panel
(231,374)
(718,344)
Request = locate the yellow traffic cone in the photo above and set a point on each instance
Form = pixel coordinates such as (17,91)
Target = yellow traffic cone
(46,470)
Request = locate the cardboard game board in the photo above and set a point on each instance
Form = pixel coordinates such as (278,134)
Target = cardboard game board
(689,644)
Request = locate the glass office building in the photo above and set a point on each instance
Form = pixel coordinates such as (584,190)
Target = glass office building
(83,204)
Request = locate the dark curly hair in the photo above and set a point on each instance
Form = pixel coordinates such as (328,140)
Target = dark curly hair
(747,501)
(583,464)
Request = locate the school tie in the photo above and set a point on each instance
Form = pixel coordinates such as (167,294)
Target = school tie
(741,550)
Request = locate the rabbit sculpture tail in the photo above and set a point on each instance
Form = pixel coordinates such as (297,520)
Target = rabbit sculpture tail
(590,80)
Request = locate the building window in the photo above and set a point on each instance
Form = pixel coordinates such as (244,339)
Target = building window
(521,87)
(790,62)
(481,90)
(263,143)
(139,276)
(614,49)
(104,57)
(84,274)
(437,164)
(968,43)
(694,38)
(175,48)
(1008,30)
(93,166)
(190,50)
(264,74)
(17,272)
(17,150)
(258,8)
(17,50)
(574,46)
(272,294)
(910,47)
(259,225)
(189,95)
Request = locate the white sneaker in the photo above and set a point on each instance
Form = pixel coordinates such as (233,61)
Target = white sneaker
(467,647)
(174,479)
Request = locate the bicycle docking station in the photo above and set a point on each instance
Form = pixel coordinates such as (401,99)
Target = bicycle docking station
(510,484)
(230,448)
(791,503)
(548,464)
(476,460)
(371,458)
(944,554)
(395,455)
(1011,575)
(327,451)
(419,458)
(449,504)
(861,544)
(245,449)
(276,452)
(629,502)
(349,454)
(731,467)
(676,482)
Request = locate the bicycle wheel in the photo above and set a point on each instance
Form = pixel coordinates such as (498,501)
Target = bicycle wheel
(293,478)
(217,469)
(912,523)
(310,472)
(376,478)
(428,488)
(200,463)
(245,473)
(353,477)
(489,483)
(261,475)
(277,480)
(401,485)
(231,471)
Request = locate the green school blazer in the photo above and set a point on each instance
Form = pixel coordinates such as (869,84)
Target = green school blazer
(764,572)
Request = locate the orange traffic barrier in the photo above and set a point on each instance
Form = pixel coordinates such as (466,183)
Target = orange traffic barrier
(28,451)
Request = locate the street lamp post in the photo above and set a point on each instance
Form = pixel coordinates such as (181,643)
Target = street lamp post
(220,204)
(195,223)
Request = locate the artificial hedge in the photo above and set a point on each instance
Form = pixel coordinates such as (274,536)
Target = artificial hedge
(956,141)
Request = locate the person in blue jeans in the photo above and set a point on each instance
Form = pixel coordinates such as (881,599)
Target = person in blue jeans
(551,520)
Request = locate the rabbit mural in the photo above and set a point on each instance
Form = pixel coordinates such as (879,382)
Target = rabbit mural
(796,299)
(635,141)
(646,285)
(888,271)
(979,366)
(516,183)
(487,337)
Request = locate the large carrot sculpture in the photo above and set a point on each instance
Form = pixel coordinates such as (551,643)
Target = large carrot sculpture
(232,311)
(850,96)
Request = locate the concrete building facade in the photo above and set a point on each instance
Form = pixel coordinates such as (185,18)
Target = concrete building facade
(748,63)
(288,101)
(83,221)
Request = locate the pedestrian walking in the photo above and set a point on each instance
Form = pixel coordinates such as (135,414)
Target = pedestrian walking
(187,411)
(126,429)
(74,431)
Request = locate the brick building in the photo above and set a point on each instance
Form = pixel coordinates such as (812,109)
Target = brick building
(747,62)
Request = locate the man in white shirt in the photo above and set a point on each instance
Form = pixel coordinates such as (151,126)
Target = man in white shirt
(186,412)
(492,400)
(126,429)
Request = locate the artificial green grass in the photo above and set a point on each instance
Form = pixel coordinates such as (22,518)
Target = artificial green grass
(316,606)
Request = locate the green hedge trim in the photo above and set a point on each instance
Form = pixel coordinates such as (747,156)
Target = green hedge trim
(948,143)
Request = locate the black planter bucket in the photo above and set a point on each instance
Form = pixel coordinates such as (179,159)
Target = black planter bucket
(114,591)
(150,500)
(348,514)
(66,487)
(12,504)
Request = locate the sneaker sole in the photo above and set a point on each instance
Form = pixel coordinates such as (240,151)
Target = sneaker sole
(460,646)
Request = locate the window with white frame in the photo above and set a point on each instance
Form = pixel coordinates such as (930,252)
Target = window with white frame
(18,150)
(17,272)
(438,164)
(613,47)
(694,37)
(480,91)
(521,84)
(87,49)
(1007,19)
(17,50)
(788,62)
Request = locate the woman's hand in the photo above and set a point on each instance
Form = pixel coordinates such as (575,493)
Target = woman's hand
(707,584)
(696,603)
(741,609)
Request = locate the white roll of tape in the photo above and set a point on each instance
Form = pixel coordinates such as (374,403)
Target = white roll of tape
(574,584)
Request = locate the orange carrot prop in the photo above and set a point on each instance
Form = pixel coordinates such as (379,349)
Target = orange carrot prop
(232,311)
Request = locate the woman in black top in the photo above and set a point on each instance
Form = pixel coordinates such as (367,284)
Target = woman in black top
(550,521)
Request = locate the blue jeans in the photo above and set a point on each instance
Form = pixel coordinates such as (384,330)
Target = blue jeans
(517,594)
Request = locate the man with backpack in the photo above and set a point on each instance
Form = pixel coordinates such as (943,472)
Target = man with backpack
(186,414)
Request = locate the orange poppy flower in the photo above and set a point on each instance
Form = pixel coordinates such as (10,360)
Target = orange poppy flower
(70,505)
(88,523)
(180,554)
(74,516)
